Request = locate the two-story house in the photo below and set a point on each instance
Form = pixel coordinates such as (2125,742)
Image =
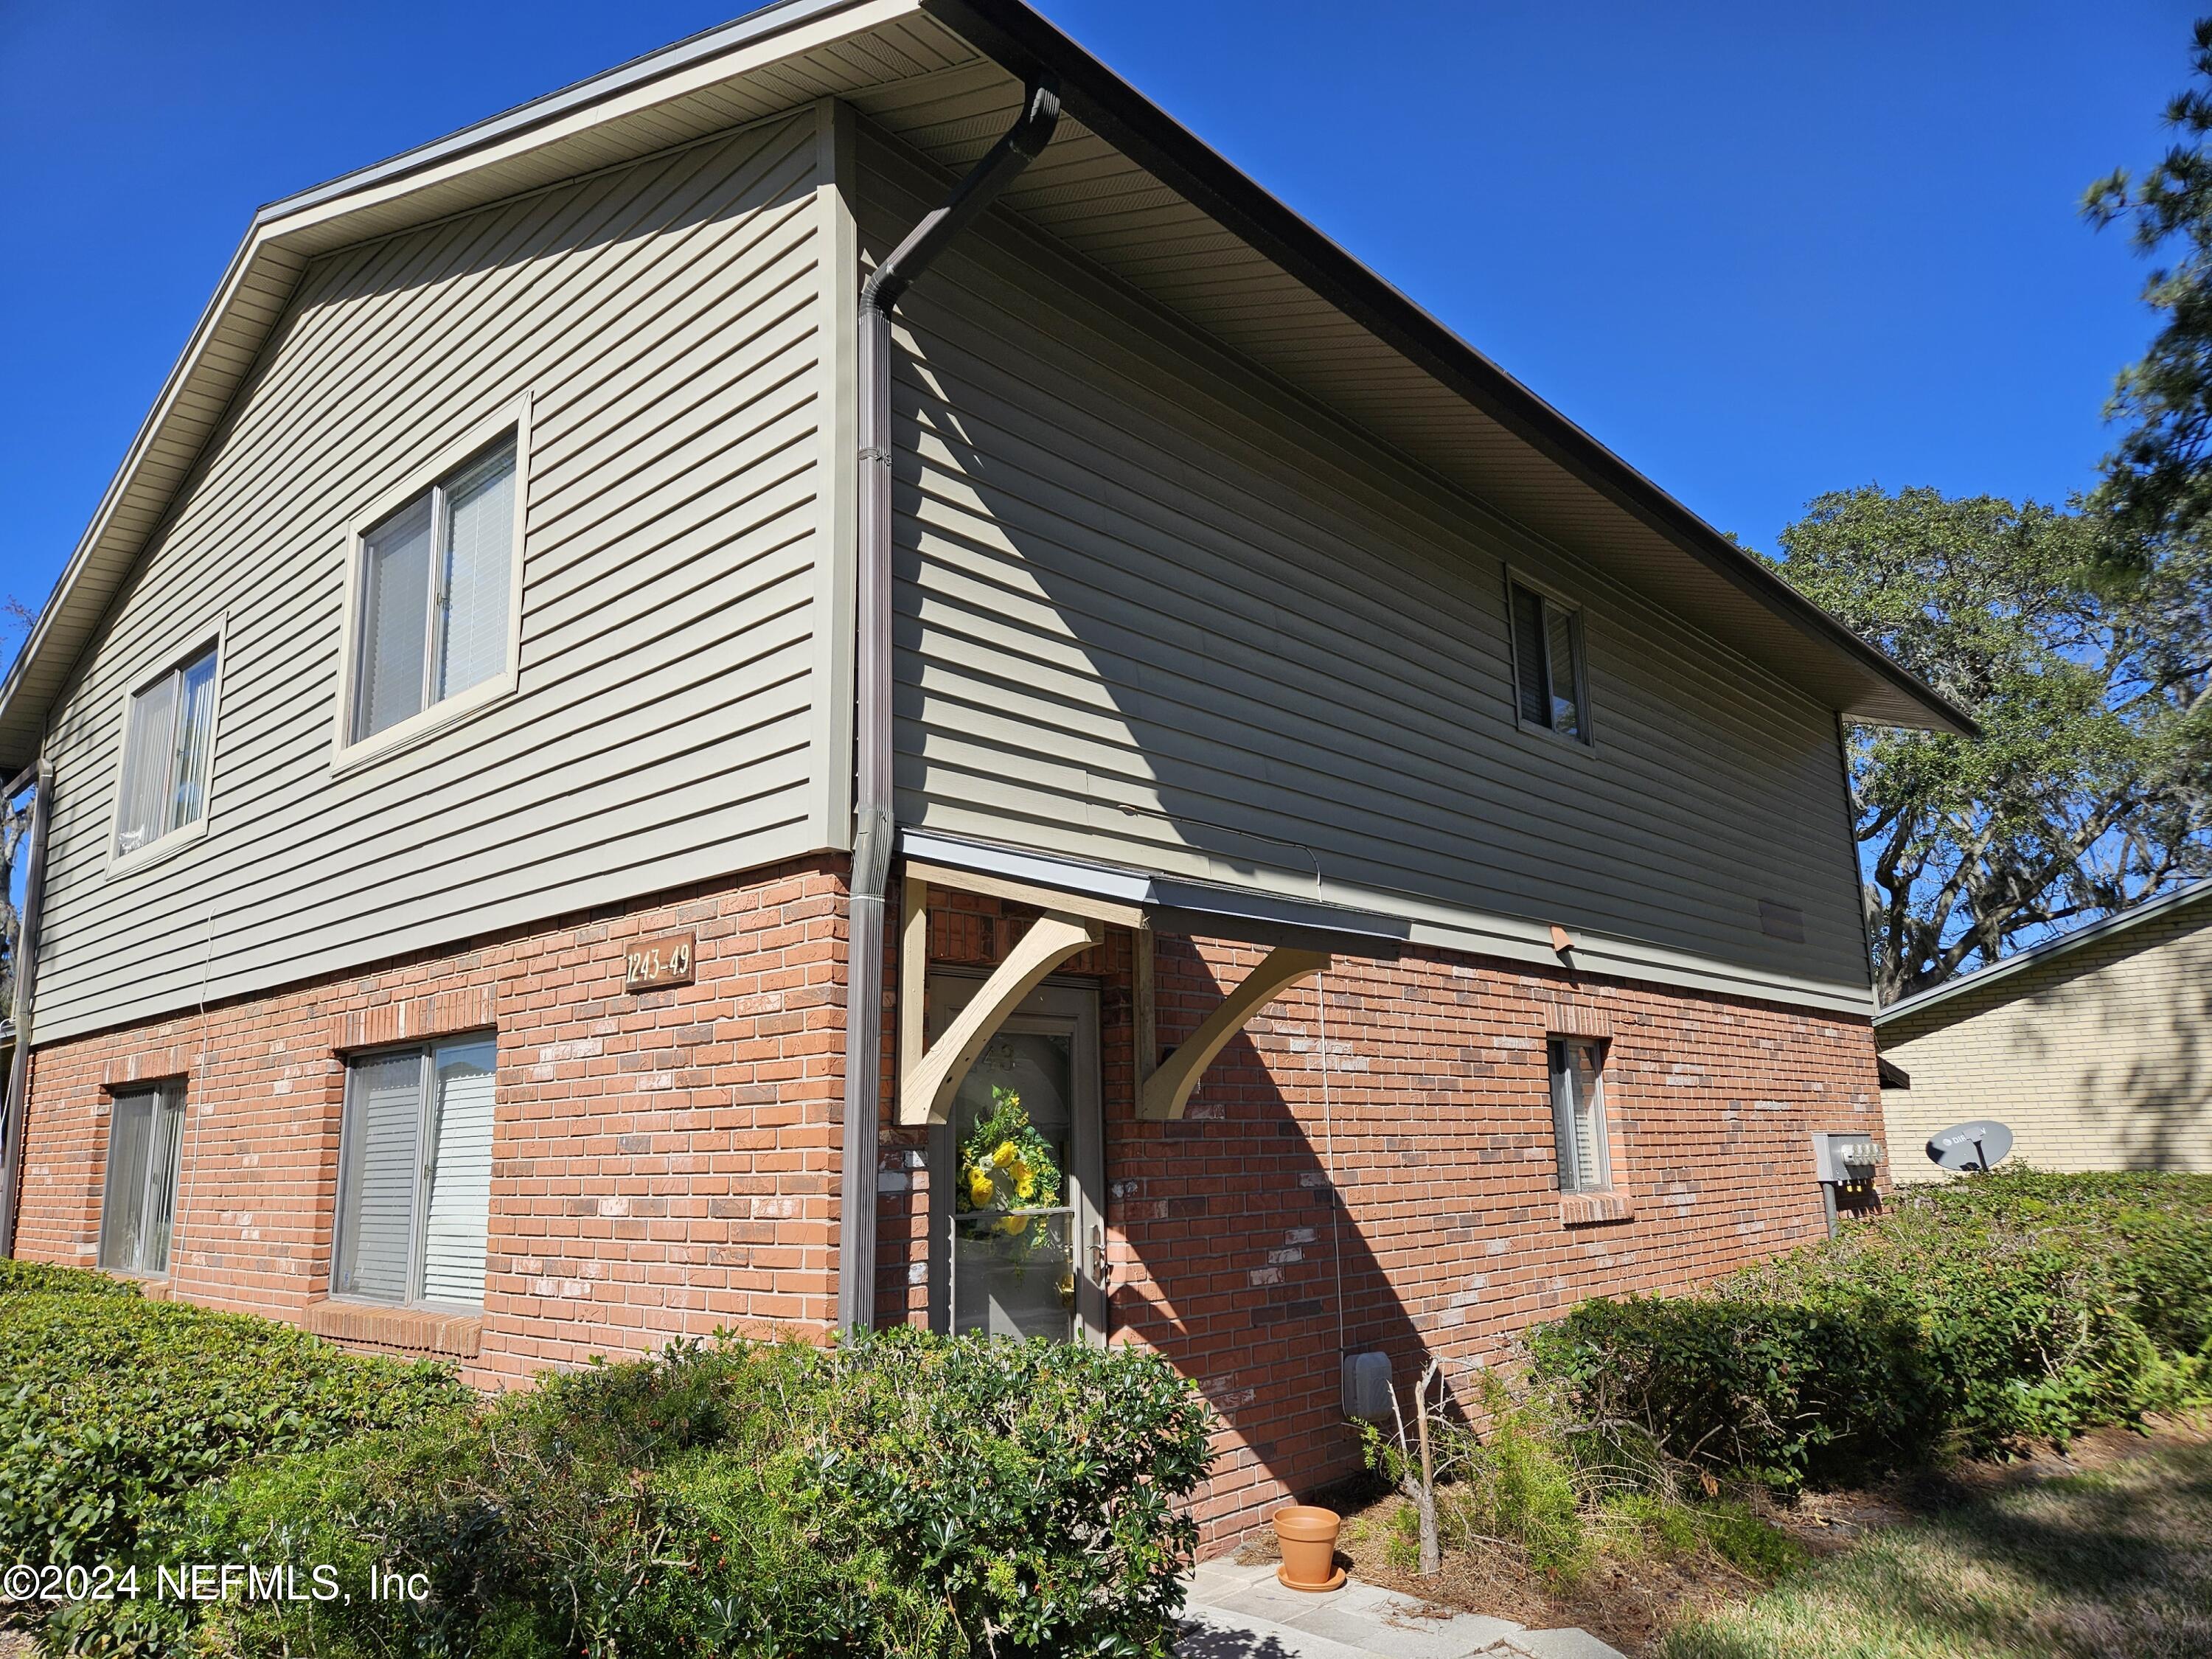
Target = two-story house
(1326,859)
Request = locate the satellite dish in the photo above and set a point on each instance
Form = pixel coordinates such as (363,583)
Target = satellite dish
(1980,1145)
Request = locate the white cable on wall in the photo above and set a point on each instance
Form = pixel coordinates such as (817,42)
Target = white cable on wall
(1328,1153)
(194,1110)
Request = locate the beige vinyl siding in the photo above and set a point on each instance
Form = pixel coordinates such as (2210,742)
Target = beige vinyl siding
(665,320)
(2097,1058)
(1155,610)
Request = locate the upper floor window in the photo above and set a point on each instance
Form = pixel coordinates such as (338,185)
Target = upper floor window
(435,597)
(1578,1117)
(1548,663)
(168,740)
(414,1175)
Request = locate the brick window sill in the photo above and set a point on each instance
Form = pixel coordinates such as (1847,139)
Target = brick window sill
(418,1330)
(153,1287)
(1593,1209)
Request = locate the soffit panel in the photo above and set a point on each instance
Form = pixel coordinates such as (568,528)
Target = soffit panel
(917,80)
(1105,208)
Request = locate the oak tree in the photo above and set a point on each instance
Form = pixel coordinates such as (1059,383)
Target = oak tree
(2090,787)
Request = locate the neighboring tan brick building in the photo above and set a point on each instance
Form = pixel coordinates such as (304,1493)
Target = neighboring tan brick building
(1380,870)
(2095,1048)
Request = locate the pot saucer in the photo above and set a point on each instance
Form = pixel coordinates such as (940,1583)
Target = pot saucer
(1335,1582)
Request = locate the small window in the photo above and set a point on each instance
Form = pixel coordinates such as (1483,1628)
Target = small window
(436,601)
(143,1129)
(1578,1117)
(168,739)
(1547,662)
(414,1186)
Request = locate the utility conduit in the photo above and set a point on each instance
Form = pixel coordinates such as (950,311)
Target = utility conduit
(872,825)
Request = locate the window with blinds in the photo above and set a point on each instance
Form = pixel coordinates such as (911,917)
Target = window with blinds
(1578,1117)
(139,1199)
(436,594)
(1548,663)
(415,1182)
(168,744)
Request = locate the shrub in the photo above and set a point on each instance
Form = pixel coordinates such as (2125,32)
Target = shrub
(112,1408)
(1751,1545)
(1035,1484)
(1522,1481)
(1562,1494)
(44,1278)
(1972,1317)
(901,1494)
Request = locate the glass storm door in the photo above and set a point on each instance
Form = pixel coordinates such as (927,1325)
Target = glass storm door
(1016,1229)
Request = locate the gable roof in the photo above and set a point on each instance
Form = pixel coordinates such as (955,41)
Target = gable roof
(2195,892)
(1123,186)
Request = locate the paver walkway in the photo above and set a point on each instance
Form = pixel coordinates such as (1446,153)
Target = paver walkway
(1242,1613)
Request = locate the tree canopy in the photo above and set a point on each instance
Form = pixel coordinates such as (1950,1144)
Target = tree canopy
(2092,787)
(2158,482)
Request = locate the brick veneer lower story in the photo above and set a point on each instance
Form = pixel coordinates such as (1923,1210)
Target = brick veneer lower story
(664,1162)
(1369,1165)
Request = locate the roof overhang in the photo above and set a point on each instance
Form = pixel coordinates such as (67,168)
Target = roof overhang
(1171,904)
(2180,898)
(943,76)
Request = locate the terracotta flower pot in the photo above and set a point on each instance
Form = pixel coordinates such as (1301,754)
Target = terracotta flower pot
(1308,1535)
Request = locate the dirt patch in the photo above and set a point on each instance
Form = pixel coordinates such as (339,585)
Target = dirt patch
(1626,1601)
(1630,1599)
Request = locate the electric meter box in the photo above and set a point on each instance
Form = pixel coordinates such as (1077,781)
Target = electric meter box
(1846,1159)
(1367,1387)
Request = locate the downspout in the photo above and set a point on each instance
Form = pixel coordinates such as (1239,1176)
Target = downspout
(871,804)
(26,972)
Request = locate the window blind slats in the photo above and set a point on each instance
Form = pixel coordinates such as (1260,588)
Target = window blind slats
(195,732)
(140,1195)
(437,599)
(130,1146)
(1578,1117)
(459,1198)
(478,558)
(377,1227)
(416,1186)
(163,1145)
(1565,672)
(395,618)
(1531,657)
(140,813)
(168,742)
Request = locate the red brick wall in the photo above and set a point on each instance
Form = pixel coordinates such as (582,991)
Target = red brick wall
(664,1162)
(1435,1121)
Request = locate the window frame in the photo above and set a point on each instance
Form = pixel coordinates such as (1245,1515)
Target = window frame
(425,1050)
(1552,600)
(169,841)
(168,1093)
(512,420)
(1601,1129)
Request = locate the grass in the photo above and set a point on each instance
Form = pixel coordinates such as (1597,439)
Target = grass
(2113,1564)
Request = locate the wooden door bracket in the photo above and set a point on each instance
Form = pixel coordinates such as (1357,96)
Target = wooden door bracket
(926,1088)
(1165,1092)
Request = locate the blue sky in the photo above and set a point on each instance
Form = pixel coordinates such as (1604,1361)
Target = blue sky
(1761,251)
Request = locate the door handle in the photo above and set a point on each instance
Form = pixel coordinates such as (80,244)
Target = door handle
(1101,1270)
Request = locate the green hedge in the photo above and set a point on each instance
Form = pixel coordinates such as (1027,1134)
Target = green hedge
(1970,1319)
(113,1408)
(900,1494)
(43,1279)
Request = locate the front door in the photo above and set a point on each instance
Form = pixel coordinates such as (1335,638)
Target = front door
(1017,1216)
